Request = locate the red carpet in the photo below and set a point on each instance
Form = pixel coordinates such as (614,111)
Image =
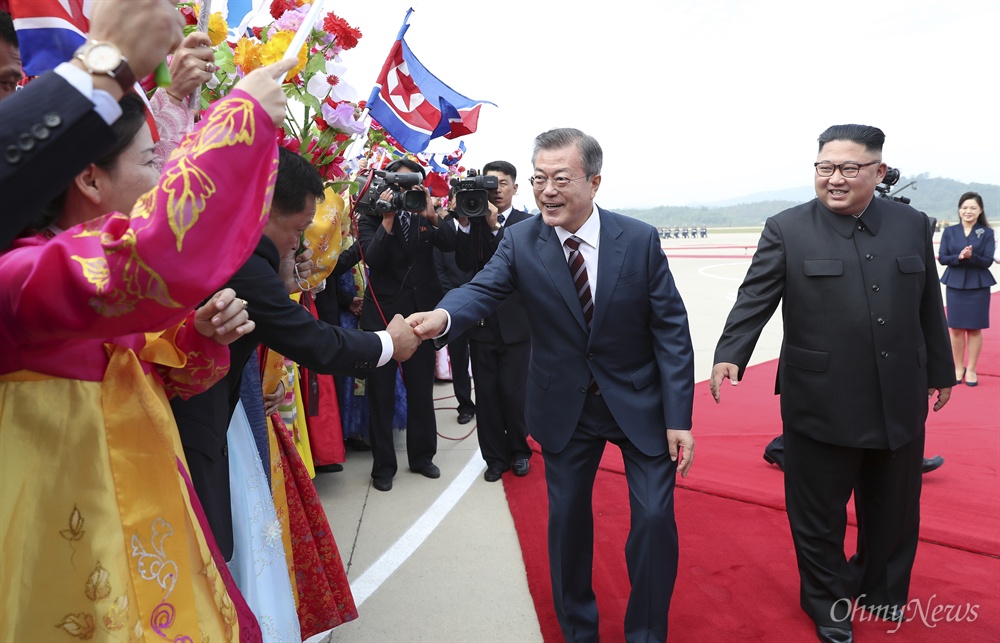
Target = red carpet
(737,579)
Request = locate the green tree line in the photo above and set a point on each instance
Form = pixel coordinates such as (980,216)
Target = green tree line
(937,197)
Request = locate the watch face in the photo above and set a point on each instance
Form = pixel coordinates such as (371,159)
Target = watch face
(103,58)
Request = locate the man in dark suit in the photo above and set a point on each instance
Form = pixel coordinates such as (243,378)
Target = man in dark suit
(281,325)
(611,361)
(865,344)
(59,123)
(398,248)
(451,276)
(501,342)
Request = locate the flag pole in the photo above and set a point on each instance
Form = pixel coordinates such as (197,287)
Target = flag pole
(375,89)
(194,100)
(302,35)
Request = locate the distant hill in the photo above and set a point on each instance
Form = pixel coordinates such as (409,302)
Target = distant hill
(937,197)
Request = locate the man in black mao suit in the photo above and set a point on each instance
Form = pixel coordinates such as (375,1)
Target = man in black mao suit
(615,366)
(865,343)
(282,325)
(402,280)
(501,342)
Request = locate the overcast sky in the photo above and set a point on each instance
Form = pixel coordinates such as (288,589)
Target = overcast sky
(711,100)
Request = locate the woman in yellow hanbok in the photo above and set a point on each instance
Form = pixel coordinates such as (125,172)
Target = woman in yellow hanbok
(100,534)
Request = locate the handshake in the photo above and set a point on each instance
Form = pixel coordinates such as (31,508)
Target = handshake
(407,333)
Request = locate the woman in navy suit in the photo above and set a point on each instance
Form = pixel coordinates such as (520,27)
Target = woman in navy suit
(967,250)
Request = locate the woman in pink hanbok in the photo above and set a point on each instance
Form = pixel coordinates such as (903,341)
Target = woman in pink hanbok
(101,537)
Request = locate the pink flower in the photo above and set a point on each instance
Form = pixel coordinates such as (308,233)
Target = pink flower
(289,21)
(342,117)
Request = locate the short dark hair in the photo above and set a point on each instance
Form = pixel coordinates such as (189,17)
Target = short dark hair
(871,137)
(982,209)
(410,165)
(7,32)
(501,166)
(590,149)
(297,180)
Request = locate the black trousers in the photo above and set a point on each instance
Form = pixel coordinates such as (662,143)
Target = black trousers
(421,427)
(501,372)
(458,353)
(651,547)
(819,481)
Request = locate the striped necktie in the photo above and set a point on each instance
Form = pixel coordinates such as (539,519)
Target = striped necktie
(578,271)
(404,225)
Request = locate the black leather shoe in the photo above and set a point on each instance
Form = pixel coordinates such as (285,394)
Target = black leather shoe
(931,463)
(829,634)
(382,484)
(329,468)
(465,418)
(492,474)
(521,467)
(428,471)
(774,459)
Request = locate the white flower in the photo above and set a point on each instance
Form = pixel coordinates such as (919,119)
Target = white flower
(320,87)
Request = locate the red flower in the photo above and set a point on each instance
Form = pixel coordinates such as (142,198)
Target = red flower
(290,143)
(346,35)
(321,124)
(190,17)
(340,137)
(332,80)
(279,7)
(257,31)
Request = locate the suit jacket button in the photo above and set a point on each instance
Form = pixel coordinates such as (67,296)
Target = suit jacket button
(12,154)
(590,356)
(225,450)
(52,119)
(583,389)
(26,142)
(875,287)
(885,354)
(881,322)
(39,131)
(869,256)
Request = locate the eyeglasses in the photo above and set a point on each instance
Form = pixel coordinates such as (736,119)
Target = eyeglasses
(847,170)
(539,182)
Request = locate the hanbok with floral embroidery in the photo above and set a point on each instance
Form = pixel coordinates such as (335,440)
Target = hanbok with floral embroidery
(101,533)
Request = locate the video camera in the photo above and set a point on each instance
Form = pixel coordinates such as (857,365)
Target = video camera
(891,179)
(472,199)
(403,197)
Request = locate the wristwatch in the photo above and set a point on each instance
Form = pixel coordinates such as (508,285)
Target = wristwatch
(105,59)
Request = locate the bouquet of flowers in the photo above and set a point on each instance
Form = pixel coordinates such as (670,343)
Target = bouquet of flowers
(321,120)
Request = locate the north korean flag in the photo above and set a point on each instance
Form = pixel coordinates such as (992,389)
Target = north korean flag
(49,31)
(413,105)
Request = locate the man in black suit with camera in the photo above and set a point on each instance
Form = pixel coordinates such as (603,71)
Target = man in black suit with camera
(398,248)
(501,342)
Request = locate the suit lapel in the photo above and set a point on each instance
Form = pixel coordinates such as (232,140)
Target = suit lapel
(550,253)
(611,257)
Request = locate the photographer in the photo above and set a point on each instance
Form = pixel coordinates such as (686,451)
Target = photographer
(501,343)
(398,247)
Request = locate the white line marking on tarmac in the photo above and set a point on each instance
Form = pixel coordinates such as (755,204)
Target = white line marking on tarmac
(703,271)
(396,555)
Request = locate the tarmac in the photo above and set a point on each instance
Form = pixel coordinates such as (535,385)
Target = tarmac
(439,560)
